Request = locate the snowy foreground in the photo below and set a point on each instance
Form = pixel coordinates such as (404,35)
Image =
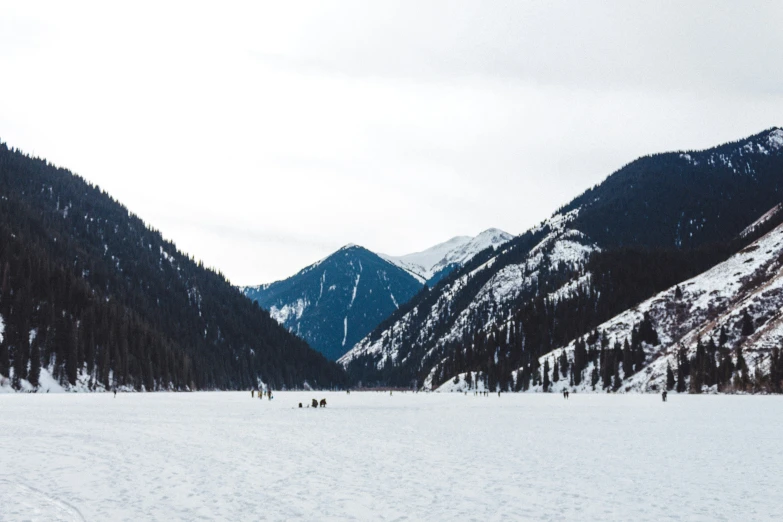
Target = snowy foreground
(369,456)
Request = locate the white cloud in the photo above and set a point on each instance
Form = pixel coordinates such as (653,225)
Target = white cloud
(260,136)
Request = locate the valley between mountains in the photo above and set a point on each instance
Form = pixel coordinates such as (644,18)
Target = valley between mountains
(665,276)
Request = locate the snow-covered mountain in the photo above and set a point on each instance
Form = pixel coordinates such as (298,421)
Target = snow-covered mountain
(486,292)
(335,302)
(437,262)
(658,220)
(726,323)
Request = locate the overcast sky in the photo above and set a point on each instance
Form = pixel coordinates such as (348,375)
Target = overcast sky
(261,136)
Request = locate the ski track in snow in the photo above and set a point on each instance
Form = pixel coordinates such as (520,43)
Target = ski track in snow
(371,456)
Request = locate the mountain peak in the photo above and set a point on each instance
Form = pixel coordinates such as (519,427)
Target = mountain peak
(338,300)
(494,233)
(349,246)
(438,260)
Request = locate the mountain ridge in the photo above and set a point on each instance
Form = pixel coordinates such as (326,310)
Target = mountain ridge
(720,330)
(671,205)
(293,302)
(93,298)
(434,263)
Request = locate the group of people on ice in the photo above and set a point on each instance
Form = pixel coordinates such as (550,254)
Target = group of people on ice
(316,404)
(262,394)
(268,394)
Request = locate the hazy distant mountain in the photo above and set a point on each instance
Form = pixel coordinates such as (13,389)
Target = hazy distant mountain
(437,262)
(338,300)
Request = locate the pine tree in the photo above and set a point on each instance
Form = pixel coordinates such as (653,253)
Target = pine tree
(723,336)
(682,370)
(34,374)
(747,324)
(677,292)
(740,365)
(564,363)
(647,331)
(546,375)
(71,358)
(628,359)
(5,359)
(580,360)
(775,371)
(556,372)
(669,377)
(697,368)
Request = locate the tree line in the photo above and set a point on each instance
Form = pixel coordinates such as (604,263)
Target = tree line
(90,292)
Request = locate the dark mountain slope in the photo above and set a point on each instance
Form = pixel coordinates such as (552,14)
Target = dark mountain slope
(99,299)
(332,304)
(671,215)
(684,199)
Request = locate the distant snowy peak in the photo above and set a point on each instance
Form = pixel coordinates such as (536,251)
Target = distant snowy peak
(455,252)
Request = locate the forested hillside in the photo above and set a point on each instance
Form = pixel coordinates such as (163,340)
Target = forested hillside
(719,331)
(98,299)
(655,222)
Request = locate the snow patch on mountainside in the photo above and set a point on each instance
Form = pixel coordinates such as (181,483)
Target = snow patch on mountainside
(570,288)
(291,311)
(355,287)
(775,139)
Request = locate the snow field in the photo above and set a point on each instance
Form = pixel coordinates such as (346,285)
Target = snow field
(372,456)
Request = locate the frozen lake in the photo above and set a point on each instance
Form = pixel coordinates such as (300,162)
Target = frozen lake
(369,456)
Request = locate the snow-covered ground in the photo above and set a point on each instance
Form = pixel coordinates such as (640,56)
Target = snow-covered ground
(371,456)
